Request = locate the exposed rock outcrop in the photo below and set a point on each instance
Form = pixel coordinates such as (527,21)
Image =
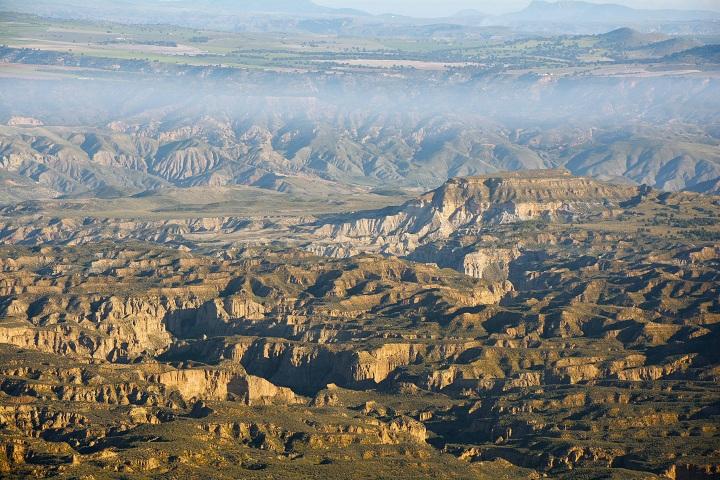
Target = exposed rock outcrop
(467,204)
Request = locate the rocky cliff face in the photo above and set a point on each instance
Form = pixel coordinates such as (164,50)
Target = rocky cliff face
(489,264)
(466,205)
(218,384)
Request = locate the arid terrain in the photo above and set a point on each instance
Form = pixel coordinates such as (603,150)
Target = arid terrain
(528,324)
(286,241)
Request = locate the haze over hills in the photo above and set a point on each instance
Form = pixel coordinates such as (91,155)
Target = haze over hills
(101,162)
(373,146)
(418,118)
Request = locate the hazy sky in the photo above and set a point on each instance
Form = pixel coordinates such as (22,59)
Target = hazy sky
(447,7)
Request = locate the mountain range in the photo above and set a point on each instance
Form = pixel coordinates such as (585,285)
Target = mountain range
(540,15)
(568,11)
(371,151)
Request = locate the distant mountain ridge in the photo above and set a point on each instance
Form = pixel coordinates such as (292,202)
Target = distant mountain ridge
(302,7)
(569,16)
(585,17)
(573,10)
(212,14)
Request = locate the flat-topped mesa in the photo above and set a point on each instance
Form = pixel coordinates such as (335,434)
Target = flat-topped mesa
(468,203)
(535,186)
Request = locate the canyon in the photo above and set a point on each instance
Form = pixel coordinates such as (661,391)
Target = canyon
(482,327)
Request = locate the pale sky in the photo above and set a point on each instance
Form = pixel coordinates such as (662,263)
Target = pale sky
(448,7)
